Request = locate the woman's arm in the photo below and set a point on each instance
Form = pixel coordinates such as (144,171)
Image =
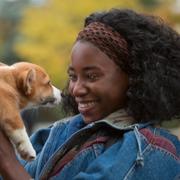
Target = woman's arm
(10,168)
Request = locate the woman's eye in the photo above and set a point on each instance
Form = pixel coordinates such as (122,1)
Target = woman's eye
(72,77)
(92,76)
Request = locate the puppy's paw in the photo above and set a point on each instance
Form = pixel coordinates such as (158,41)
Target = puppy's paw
(26,151)
(20,140)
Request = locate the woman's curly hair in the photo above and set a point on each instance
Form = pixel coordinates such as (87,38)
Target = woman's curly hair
(154,64)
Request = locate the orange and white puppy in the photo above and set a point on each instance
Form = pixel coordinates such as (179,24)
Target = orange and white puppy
(23,85)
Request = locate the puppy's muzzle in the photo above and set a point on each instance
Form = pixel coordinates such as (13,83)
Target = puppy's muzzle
(49,101)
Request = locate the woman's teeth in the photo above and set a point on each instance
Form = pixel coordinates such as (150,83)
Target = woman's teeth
(86,104)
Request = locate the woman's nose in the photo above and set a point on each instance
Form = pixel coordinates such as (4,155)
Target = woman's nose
(79,88)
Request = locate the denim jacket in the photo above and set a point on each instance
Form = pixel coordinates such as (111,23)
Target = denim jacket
(72,150)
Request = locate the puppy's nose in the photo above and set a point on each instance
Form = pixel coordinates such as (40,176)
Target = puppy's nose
(62,94)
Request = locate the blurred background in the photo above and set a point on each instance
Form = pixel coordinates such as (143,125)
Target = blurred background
(43,32)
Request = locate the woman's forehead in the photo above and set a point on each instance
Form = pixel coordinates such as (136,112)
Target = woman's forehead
(84,47)
(88,56)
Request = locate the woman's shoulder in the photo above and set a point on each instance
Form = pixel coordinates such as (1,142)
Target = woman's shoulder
(161,138)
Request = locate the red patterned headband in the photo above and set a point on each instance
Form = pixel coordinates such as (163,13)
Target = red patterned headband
(107,40)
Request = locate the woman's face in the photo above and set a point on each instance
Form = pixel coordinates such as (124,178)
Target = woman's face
(98,85)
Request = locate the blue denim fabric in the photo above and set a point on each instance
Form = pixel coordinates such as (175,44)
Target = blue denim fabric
(132,157)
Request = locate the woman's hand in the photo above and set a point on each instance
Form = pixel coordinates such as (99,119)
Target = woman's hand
(7,152)
(10,168)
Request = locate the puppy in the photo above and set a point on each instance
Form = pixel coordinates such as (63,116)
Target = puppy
(23,85)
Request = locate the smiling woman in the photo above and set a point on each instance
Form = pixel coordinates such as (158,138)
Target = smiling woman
(123,80)
(93,82)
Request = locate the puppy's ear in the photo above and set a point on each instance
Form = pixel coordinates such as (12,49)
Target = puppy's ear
(26,80)
(30,78)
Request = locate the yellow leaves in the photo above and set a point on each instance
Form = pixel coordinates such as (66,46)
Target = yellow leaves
(46,56)
(48,31)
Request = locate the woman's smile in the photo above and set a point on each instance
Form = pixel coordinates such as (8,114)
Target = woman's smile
(86,106)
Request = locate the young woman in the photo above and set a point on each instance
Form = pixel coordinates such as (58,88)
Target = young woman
(124,80)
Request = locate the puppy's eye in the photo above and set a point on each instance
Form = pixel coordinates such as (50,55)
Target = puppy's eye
(49,83)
